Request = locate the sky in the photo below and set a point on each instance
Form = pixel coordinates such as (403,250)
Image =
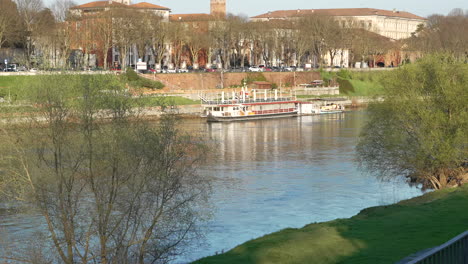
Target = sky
(256,7)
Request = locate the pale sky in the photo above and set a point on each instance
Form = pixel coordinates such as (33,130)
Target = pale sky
(257,7)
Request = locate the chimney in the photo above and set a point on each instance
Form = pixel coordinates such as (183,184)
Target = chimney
(394,10)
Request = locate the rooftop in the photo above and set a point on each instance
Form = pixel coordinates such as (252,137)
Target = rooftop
(102,4)
(339,12)
(146,5)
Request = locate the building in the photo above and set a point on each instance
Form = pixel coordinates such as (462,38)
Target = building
(218,8)
(391,24)
(94,8)
(201,23)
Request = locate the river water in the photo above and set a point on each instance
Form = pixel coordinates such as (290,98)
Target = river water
(274,174)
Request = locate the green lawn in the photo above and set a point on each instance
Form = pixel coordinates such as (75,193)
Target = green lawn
(168,100)
(16,86)
(381,235)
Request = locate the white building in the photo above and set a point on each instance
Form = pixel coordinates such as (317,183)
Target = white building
(391,24)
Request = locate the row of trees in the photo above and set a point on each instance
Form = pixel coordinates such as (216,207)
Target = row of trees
(51,34)
(447,34)
(30,26)
(54,35)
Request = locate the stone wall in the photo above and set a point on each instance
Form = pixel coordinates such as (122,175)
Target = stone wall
(205,81)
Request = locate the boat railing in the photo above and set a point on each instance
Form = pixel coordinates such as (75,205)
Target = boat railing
(247,101)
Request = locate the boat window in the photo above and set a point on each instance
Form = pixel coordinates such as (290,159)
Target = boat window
(216,109)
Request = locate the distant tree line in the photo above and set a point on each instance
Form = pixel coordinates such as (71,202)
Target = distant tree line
(51,37)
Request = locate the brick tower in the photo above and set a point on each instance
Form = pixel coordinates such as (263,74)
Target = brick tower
(218,8)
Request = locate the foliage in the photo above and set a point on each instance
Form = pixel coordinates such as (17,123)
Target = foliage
(254,77)
(136,81)
(346,87)
(143,82)
(407,227)
(344,74)
(109,186)
(169,100)
(421,129)
(447,34)
(131,75)
(327,76)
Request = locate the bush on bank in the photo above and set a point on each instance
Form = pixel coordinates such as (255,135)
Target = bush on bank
(136,81)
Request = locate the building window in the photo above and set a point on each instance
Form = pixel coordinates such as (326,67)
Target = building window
(116,58)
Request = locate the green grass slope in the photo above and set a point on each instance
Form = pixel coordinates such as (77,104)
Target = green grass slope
(381,235)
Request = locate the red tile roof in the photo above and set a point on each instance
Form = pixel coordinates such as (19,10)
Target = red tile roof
(192,17)
(101,4)
(146,5)
(339,12)
(98,4)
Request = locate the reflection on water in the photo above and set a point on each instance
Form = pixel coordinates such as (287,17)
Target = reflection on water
(274,174)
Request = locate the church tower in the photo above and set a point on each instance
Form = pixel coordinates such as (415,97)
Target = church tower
(218,8)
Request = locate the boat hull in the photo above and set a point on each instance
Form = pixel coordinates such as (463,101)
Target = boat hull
(211,118)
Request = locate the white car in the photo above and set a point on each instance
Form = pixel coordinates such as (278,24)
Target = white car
(255,69)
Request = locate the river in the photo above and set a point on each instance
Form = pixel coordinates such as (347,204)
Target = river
(274,174)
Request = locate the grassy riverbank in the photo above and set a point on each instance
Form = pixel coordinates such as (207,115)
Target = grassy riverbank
(383,234)
(365,84)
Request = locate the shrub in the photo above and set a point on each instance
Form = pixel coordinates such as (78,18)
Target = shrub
(131,75)
(345,86)
(344,74)
(254,77)
(150,84)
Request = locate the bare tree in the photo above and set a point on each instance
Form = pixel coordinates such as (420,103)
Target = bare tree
(9,22)
(29,11)
(111,187)
(60,9)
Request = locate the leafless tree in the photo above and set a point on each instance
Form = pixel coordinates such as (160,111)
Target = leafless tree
(60,9)
(10,24)
(29,11)
(111,187)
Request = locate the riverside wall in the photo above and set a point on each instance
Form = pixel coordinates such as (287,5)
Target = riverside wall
(206,81)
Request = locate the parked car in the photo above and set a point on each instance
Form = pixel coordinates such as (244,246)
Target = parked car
(11,68)
(183,71)
(212,69)
(255,69)
(317,83)
(290,68)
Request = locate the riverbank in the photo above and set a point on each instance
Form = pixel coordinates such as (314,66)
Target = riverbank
(383,234)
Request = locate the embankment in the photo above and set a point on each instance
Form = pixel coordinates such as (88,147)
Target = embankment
(213,80)
(384,234)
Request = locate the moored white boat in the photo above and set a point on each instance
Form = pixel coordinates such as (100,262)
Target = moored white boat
(246,106)
(308,108)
